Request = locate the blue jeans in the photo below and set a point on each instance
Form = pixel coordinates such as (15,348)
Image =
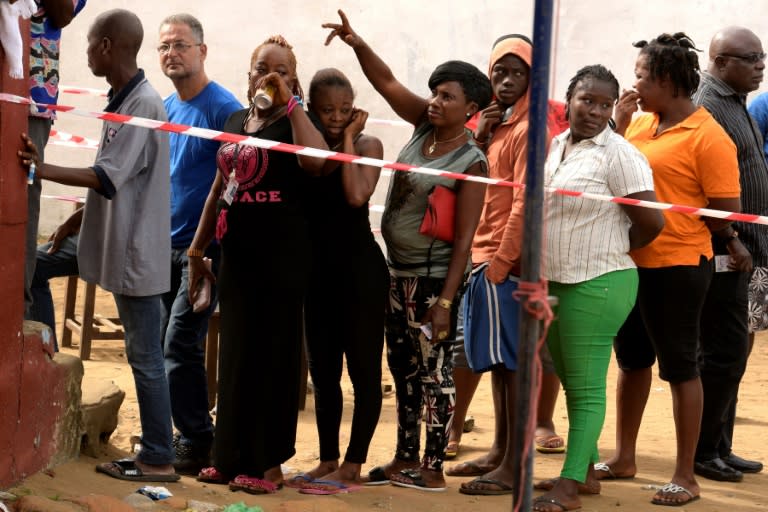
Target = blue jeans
(185,333)
(61,263)
(140,317)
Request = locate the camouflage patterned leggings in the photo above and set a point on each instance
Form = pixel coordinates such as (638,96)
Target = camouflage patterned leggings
(422,371)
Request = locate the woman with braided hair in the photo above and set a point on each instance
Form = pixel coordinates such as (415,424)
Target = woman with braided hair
(589,270)
(694,164)
(255,209)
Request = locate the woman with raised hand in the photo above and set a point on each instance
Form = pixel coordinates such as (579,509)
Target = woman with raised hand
(255,209)
(590,270)
(427,273)
(348,285)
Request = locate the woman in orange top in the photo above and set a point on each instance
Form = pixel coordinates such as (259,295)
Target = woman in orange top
(694,164)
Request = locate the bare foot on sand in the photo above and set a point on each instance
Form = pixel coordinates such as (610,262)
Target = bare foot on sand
(591,486)
(563,496)
(348,473)
(475,467)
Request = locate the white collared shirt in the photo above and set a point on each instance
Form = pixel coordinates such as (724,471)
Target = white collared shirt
(586,238)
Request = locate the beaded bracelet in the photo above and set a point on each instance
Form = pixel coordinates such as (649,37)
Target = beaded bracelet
(295,100)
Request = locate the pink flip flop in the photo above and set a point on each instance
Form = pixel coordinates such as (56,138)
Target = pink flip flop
(252,485)
(211,475)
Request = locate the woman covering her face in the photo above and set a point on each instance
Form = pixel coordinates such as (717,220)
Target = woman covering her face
(348,285)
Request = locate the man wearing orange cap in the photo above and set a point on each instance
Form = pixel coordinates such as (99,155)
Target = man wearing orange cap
(491,313)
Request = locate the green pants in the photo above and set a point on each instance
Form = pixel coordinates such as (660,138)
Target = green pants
(588,315)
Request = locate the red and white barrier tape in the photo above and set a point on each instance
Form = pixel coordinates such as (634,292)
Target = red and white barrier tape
(69,199)
(67,139)
(384,164)
(68,89)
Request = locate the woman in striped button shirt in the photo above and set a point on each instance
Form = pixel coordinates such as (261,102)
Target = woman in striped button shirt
(589,268)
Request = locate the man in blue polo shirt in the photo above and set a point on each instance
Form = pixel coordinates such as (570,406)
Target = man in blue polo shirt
(203,103)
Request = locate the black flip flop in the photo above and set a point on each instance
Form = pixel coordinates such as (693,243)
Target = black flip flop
(376,476)
(502,488)
(126,469)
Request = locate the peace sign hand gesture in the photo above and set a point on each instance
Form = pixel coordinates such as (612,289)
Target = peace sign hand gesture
(343,31)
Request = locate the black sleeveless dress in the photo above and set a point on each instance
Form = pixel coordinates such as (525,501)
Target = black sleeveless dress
(262,281)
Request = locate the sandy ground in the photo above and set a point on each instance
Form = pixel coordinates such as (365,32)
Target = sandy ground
(655,463)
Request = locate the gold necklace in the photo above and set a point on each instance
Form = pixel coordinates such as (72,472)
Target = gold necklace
(435,142)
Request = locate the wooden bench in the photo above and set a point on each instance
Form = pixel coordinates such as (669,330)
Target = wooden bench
(89,325)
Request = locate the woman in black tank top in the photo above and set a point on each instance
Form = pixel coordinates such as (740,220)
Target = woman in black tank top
(344,309)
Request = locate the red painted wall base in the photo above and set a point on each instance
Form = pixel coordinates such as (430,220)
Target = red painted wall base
(31,386)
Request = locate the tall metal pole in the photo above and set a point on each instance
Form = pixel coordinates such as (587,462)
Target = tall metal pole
(530,328)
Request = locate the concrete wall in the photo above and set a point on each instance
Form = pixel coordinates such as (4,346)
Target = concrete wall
(412,36)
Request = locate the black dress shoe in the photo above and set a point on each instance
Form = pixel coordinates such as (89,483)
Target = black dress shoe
(743,465)
(716,469)
(190,459)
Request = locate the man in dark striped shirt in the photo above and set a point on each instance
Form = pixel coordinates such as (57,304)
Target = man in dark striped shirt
(736,65)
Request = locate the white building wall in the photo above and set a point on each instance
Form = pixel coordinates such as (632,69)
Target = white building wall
(412,37)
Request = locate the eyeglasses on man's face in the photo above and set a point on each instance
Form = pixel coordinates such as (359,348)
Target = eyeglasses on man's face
(752,58)
(177,46)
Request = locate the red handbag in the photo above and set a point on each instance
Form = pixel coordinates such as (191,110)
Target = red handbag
(438,220)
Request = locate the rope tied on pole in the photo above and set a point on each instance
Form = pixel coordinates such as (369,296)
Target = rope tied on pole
(534,298)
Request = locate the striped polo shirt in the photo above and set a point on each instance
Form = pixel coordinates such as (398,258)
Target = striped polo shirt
(729,109)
